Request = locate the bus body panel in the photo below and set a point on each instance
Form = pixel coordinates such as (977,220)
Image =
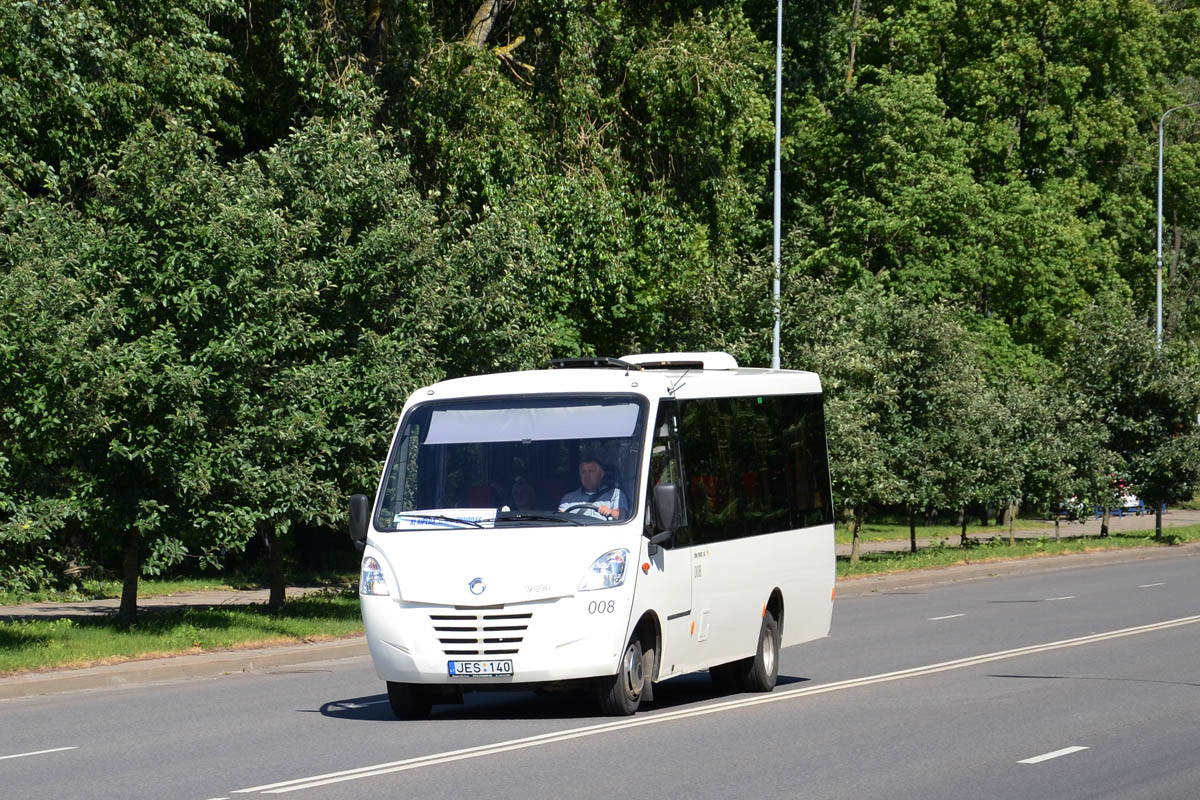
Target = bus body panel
(516,565)
(534,571)
(733,581)
(555,636)
(562,641)
(663,590)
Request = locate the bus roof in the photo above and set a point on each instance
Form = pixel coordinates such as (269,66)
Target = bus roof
(684,375)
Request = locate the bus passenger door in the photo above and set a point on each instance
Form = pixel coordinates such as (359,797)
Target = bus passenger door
(668,582)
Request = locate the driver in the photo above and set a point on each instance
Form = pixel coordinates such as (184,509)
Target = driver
(595,498)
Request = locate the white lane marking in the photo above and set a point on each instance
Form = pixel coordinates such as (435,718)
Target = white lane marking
(38,752)
(948,616)
(1066,751)
(315,781)
(1067,597)
(1148,585)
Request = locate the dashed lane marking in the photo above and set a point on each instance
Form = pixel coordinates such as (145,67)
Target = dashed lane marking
(38,752)
(1066,751)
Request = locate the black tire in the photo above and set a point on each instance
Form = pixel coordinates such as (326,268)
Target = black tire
(762,671)
(725,677)
(620,695)
(409,700)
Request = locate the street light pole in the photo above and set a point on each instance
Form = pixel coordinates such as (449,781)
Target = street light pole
(778,104)
(1158,285)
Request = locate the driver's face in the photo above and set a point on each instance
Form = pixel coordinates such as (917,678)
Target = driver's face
(590,475)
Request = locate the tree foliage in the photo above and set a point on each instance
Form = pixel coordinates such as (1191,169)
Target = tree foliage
(233,237)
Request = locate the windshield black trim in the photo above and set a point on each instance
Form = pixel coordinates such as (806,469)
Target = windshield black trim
(642,401)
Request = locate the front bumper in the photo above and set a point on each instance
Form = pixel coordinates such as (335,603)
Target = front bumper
(548,640)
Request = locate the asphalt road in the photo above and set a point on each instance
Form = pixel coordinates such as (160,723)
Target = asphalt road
(1074,683)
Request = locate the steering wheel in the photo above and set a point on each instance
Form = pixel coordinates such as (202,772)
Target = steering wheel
(571,509)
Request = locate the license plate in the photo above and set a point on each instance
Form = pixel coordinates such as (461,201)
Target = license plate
(480,669)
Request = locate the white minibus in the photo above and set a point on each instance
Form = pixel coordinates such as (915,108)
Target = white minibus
(603,524)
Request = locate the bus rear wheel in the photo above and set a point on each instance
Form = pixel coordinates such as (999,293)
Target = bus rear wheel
(620,695)
(409,701)
(759,672)
(762,670)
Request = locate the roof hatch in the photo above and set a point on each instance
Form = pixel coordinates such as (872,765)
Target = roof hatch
(708,360)
(590,363)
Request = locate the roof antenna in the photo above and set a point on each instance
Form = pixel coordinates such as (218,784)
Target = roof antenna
(678,384)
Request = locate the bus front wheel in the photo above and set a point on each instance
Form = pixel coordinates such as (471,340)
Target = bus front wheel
(619,695)
(409,701)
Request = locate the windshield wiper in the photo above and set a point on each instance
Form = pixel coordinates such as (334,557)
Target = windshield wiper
(440,518)
(522,517)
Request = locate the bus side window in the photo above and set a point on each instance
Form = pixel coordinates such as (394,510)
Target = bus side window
(755,465)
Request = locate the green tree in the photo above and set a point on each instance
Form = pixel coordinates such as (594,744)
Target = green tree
(1165,463)
(1144,402)
(77,78)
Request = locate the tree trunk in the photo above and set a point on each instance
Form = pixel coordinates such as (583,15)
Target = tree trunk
(278,593)
(856,529)
(130,571)
(1158,509)
(1104,523)
(912,529)
(857,10)
(1012,515)
(964,541)
(481,24)
(374,35)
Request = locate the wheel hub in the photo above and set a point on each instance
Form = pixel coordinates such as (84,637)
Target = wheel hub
(634,676)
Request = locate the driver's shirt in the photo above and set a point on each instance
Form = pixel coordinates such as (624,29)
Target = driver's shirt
(604,496)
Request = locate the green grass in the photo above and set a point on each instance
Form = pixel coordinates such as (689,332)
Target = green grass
(47,644)
(1192,505)
(100,589)
(998,550)
(884,530)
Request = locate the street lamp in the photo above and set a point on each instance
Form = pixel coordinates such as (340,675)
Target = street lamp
(1158,287)
(775,250)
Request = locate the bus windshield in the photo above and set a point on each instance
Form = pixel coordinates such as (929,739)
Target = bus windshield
(515,461)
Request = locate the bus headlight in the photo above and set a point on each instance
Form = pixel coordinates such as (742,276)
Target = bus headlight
(606,571)
(371,581)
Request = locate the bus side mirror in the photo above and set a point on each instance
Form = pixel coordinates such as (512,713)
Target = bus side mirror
(360,511)
(657,540)
(666,506)
(665,510)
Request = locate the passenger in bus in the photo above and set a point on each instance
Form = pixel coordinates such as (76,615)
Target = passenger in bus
(521,495)
(595,497)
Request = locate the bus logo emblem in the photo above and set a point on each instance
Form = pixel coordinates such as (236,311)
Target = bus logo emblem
(477,586)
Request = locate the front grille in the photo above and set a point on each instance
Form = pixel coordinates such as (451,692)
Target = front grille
(482,634)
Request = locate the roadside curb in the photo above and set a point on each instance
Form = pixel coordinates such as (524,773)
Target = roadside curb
(182,667)
(882,584)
